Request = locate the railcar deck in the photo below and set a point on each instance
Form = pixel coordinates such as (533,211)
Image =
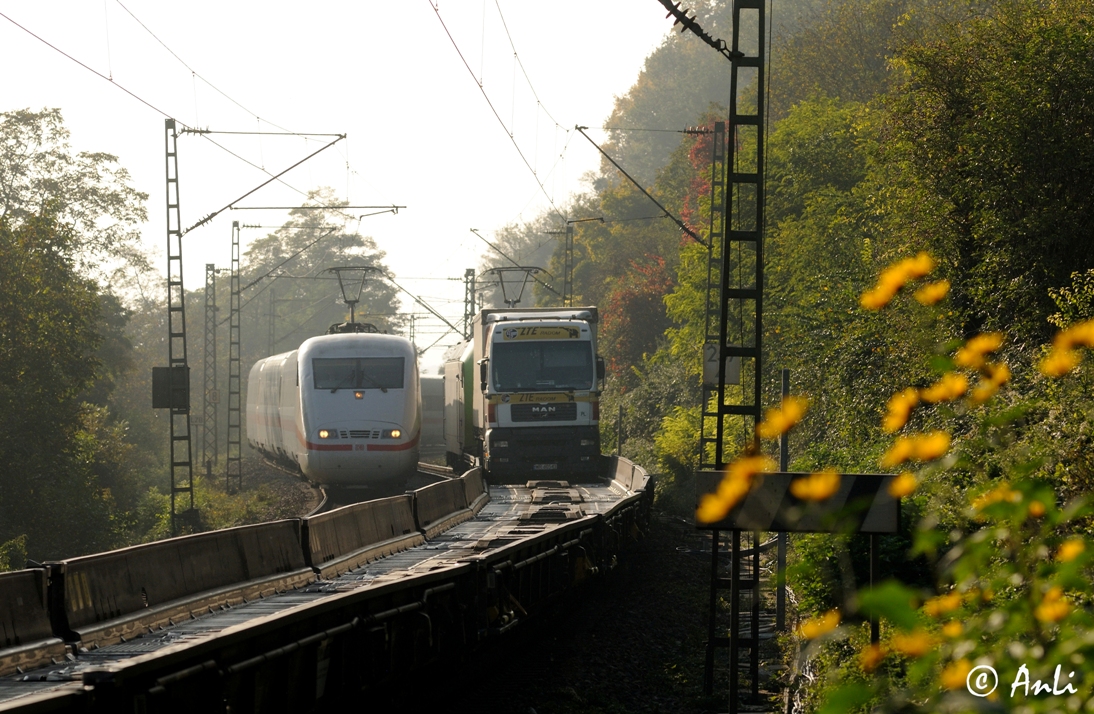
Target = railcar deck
(515,547)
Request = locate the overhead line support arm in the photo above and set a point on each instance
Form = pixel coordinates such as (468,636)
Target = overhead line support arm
(273,178)
(689,23)
(674,219)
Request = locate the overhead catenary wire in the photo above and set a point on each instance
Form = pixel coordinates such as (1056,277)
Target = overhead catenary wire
(444,334)
(501,121)
(96,72)
(194,72)
(156,109)
(421,302)
(515,263)
(516,56)
(271,271)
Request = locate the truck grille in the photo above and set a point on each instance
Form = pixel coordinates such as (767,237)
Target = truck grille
(555,411)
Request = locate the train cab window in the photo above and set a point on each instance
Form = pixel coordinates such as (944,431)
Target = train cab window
(381,373)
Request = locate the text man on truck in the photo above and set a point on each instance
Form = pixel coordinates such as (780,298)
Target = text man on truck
(522,397)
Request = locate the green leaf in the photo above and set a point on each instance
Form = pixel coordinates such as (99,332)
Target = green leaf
(942,364)
(892,601)
(847,698)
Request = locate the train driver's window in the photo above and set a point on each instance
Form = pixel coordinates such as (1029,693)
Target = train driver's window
(335,373)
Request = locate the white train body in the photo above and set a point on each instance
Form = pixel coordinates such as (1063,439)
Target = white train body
(433,411)
(345,408)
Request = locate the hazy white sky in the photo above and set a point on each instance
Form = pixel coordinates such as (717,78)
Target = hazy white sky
(419,131)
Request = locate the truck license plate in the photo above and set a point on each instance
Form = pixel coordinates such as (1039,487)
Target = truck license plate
(545,467)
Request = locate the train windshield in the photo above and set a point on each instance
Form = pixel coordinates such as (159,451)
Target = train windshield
(542,366)
(381,373)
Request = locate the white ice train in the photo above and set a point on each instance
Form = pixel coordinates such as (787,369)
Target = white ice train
(345,408)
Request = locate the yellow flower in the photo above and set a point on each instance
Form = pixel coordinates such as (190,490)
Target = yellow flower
(876,299)
(932,446)
(1081,333)
(1070,550)
(951,386)
(901,405)
(1036,509)
(956,674)
(995,375)
(919,447)
(895,277)
(942,604)
(982,393)
(953,629)
(817,626)
(903,485)
(913,644)
(1053,607)
(871,657)
(901,450)
(733,487)
(779,420)
(920,265)
(932,293)
(816,487)
(1060,361)
(973,353)
(1002,492)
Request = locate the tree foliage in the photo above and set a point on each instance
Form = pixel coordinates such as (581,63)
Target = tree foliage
(994,128)
(292,296)
(53,446)
(86,193)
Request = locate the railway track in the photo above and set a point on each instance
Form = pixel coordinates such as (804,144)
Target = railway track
(328,499)
(330,605)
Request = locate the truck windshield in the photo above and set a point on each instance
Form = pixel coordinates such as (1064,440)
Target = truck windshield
(542,366)
(358,372)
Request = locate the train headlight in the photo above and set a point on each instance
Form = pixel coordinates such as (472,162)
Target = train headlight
(358,395)
(393,434)
(327,433)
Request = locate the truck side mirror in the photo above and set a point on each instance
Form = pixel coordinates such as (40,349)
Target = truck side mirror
(600,368)
(484,373)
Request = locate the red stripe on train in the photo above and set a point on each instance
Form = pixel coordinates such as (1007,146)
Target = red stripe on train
(395,447)
(329,447)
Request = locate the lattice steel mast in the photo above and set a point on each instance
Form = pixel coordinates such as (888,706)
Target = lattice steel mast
(178,372)
(234,465)
(211,397)
(468,301)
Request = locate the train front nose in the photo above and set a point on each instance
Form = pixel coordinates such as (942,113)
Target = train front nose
(355,453)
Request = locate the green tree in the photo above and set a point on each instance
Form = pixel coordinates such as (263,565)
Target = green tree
(51,443)
(842,51)
(528,244)
(993,127)
(71,226)
(87,193)
(293,297)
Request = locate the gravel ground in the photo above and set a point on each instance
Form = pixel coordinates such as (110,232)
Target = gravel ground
(287,495)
